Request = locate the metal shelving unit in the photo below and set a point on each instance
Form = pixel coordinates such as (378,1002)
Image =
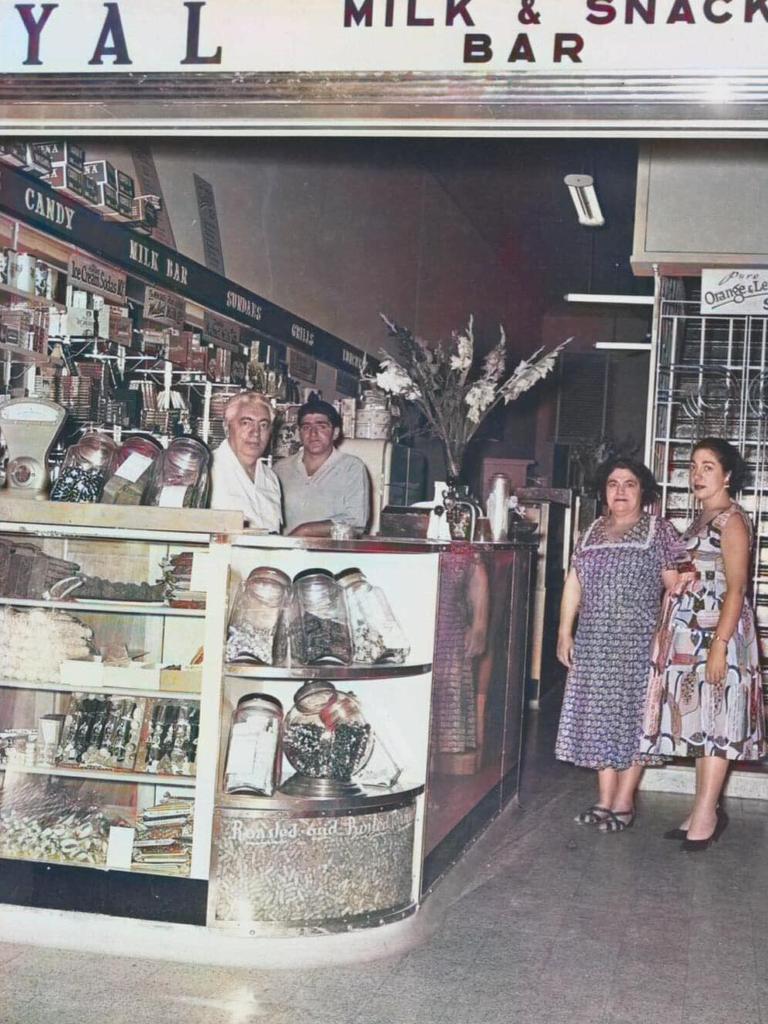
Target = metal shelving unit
(710,377)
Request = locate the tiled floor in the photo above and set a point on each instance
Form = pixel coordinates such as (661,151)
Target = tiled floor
(544,921)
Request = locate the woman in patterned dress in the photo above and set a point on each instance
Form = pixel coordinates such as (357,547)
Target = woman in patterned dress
(620,568)
(705,695)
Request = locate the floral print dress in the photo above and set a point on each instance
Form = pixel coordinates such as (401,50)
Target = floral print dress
(621,588)
(685,715)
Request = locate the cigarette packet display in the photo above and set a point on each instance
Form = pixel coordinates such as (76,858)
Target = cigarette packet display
(168,744)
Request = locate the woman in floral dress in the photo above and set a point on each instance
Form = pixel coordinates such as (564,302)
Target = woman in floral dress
(705,695)
(619,570)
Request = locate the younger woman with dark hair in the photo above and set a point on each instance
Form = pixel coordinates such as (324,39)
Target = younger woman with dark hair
(705,696)
(620,567)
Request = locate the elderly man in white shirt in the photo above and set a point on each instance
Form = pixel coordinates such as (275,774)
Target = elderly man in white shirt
(242,481)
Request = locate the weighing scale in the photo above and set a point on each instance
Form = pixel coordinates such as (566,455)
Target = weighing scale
(29,427)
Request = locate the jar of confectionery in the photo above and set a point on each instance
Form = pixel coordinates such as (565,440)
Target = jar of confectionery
(256,626)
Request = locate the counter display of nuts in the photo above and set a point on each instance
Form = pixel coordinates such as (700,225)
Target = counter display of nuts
(294,871)
(49,823)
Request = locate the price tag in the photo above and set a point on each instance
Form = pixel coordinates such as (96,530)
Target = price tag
(172,497)
(120,846)
(133,467)
(242,744)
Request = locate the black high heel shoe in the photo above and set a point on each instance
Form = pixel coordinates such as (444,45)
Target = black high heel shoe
(699,845)
(675,833)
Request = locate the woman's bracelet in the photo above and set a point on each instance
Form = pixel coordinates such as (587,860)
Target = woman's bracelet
(720,638)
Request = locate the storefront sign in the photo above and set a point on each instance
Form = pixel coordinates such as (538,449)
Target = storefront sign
(735,292)
(92,276)
(163,307)
(573,36)
(302,366)
(37,204)
(221,333)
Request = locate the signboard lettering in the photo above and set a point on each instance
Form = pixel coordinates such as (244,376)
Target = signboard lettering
(237,36)
(92,276)
(164,307)
(220,332)
(742,292)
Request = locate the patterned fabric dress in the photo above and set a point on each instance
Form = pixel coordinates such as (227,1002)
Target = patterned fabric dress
(685,715)
(621,588)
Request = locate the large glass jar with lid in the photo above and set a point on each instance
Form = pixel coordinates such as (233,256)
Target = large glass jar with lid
(179,477)
(326,740)
(253,752)
(377,637)
(319,628)
(87,466)
(132,469)
(257,624)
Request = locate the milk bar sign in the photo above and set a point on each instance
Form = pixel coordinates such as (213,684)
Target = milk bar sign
(738,292)
(240,36)
(92,276)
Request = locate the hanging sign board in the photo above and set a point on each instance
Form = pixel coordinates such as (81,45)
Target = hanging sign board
(221,333)
(738,292)
(302,366)
(237,36)
(92,276)
(164,307)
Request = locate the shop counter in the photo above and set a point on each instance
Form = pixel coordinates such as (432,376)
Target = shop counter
(148,828)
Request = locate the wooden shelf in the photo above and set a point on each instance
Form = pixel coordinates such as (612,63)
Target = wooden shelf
(115,607)
(143,778)
(118,691)
(345,672)
(30,299)
(24,355)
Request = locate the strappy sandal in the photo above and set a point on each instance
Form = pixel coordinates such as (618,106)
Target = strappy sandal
(617,821)
(593,815)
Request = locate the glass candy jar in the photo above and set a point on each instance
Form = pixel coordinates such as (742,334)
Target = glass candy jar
(179,477)
(377,637)
(319,629)
(87,466)
(326,740)
(132,466)
(256,627)
(253,752)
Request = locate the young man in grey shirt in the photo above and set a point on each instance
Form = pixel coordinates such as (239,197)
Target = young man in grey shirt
(322,486)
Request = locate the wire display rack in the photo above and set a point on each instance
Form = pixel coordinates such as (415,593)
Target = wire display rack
(710,378)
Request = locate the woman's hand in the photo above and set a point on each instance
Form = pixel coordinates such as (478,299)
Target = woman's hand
(717,663)
(565,649)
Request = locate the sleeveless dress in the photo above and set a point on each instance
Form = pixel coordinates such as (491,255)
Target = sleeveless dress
(686,716)
(621,588)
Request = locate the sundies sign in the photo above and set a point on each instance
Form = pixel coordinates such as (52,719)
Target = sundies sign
(572,36)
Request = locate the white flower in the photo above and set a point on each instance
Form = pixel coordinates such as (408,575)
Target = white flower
(393,379)
(463,360)
(478,398)
(493,367)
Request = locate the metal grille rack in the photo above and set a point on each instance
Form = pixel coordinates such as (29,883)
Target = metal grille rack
(711,378)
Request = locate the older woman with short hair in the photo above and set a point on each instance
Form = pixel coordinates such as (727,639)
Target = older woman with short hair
(620,568)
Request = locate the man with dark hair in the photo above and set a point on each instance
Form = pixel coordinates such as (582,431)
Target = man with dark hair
(322,486)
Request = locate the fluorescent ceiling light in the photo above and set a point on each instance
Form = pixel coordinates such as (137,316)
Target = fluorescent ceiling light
(582,189)
(613,300)
(625,346)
